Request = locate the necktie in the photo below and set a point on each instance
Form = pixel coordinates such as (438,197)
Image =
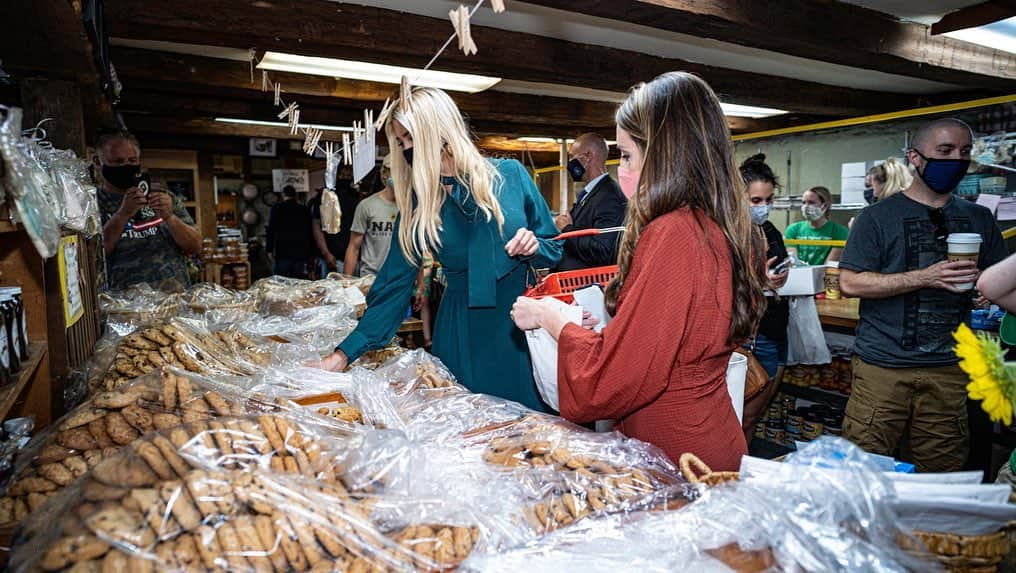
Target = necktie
(578,200)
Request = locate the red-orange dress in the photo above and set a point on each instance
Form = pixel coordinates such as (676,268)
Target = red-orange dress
(659,367)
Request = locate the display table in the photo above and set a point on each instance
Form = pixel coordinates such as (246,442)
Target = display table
(842,313)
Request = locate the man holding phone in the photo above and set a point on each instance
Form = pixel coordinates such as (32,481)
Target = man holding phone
(146,231)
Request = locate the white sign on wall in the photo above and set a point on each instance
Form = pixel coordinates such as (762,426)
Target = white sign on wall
(298,178)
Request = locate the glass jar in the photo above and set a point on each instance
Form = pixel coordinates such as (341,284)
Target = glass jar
(8,308)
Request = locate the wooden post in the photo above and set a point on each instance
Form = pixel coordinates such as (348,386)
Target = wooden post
(60,100)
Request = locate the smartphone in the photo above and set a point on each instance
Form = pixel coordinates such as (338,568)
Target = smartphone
(144,183)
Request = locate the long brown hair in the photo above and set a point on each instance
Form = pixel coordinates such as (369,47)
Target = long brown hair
(688,161)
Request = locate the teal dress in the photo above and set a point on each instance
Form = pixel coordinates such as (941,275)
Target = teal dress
(473,334)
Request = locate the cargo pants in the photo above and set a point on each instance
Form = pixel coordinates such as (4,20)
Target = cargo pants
(932,401)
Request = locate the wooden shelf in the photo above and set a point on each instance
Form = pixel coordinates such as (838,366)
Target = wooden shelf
(9,394)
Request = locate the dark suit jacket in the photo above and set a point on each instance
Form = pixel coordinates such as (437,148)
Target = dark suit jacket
(603,207)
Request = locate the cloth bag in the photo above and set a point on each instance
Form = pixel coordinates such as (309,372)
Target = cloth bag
(331,212)
(543,352)
(805,340)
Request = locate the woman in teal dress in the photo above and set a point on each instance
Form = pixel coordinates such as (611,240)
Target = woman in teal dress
(486,223)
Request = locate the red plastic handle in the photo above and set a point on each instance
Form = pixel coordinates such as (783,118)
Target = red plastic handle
(579,233)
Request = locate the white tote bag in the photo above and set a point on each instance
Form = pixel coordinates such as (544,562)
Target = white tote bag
(543,351)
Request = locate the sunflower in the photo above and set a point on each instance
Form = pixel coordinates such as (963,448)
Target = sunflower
(992,380)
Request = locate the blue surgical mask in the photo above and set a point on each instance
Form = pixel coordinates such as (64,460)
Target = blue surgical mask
(760,213)
(942,175)
(391,183)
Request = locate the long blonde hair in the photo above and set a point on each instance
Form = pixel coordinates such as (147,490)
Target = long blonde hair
(688,161)
(436,125)
(893,176)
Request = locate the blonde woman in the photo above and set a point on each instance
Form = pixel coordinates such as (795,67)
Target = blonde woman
(889,178)
(486,223)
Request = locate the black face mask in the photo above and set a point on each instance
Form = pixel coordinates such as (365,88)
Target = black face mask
(408,154)
(122,177)
(576,170)
(869,195)
(942,175)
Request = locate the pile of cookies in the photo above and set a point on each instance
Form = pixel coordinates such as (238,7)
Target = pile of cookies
(182,344)
(582,484)
(104,424)
(168,502)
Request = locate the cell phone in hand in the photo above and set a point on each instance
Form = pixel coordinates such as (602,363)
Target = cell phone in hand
(144,183)
(781,267)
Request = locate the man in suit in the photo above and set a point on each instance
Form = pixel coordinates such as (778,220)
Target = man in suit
(600,204)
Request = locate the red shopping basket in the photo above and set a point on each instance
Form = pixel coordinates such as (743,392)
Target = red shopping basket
(562,285)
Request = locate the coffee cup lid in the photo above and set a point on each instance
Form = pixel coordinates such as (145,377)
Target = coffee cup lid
(964,238)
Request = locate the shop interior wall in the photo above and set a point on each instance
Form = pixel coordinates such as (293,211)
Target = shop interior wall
(816,158)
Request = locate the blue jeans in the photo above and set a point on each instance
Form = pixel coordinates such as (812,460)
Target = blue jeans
(324,267)
(770,354)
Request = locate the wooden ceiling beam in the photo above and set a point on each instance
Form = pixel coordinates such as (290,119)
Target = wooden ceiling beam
(212,76)
(973,16)
(349,31)
(829,31)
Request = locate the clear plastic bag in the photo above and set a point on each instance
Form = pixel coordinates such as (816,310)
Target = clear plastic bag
(137,306)
(320,328)
(30,186)
(219,303)
(281,296)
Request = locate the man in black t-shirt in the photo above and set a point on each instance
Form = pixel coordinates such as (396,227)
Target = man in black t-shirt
(905,371)
(332,246)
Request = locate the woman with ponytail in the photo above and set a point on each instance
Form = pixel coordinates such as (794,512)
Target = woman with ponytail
(689,288)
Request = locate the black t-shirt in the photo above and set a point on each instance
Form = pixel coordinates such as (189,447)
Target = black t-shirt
(289,232)
(897,235)
(774,322)
(348,200)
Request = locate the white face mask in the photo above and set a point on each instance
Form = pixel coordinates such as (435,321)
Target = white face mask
(760,213)
(812,212)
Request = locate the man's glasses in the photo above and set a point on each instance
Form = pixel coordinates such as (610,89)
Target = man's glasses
(937,217)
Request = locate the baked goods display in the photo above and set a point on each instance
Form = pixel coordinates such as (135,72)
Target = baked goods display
(187,344)
(206,447)
(282,296)
(211,297)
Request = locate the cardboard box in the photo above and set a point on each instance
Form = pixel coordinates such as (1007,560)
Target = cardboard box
(804,281)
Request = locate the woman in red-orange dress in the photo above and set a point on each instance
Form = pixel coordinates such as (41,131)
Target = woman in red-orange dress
(688,290)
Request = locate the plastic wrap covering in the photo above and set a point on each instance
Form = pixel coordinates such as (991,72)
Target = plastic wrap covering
(30,186)
(318,327)
(220,303)
(812,520)
(281,296)
(416,370)
(358,396)
(196,347)
(77,194)
(258,521)
(98,428)
(138,306)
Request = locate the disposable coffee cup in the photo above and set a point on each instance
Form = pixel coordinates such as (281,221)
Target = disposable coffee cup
(964,247)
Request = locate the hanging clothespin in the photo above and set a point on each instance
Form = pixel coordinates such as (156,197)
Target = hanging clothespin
(497,6)
(294,122)
(252,55)
(382,117)
(288,111)
(264,80)
(311,139)
(405,106)
(278,94)
(346,155)
(460,21)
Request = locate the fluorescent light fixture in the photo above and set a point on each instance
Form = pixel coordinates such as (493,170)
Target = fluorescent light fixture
(282,124)
(539,140)
(999,35)
(737,110)
(347,69)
